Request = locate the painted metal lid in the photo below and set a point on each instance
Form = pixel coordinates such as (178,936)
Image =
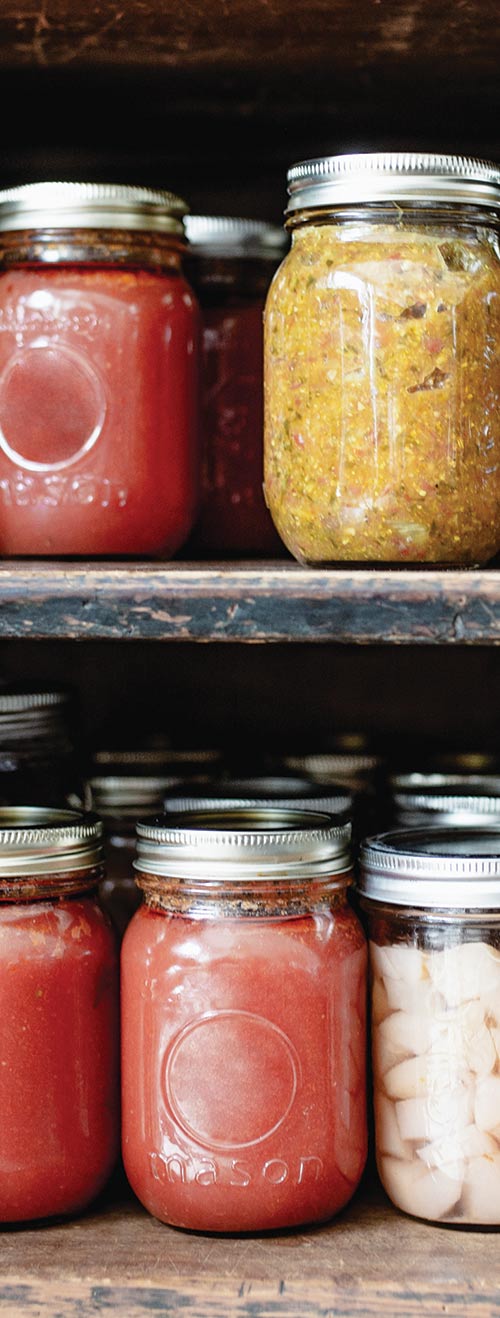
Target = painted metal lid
(61,205)
(256,842)
(433,868)
(218,235)
(397,176)
(41,840)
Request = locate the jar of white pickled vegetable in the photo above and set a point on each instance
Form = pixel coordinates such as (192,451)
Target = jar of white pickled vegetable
(433,903)
(382,370)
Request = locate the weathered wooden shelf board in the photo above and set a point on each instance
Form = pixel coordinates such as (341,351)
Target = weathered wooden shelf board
(369,1261)
(247,602)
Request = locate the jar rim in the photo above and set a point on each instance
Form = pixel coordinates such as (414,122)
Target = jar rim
(72,205)
(397,176)
(256,841)
(229,236)
(46,840)
(433,867)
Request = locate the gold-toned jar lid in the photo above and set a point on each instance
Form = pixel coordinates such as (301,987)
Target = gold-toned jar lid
(256,842)
(61,205)
(392,176)
(41,840)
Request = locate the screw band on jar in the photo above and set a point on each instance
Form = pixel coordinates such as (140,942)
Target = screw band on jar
(250,855)
(48,853)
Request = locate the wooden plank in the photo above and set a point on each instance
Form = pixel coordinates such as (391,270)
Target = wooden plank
(274,36)
(247,602)
(369,1261)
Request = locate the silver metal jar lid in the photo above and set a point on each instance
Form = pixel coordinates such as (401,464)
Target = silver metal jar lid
(397,176)
(482,784)
(129,792)
(40,840)
(433,868)
(449,803)
(33,716)
(20,701)
(256,843)
(90,206)
(337,764)
(338,804)
(218,235)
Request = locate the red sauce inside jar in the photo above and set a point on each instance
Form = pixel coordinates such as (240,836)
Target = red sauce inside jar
(98,410)
(58,1072)
(244,1067)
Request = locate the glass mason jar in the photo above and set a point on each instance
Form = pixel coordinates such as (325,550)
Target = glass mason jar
(38,762)
(433,903)
(98,372)
(121,801)
(59,1005)
(230,264)
(243,1021)
(382,374)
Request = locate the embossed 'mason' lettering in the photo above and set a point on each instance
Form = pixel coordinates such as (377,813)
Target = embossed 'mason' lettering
(22,491)
(176,1169)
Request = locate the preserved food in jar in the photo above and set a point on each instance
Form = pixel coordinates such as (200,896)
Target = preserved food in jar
(434,917)
(241,1113)
(98,372)
(382,375)
(59,1010)
(230,264)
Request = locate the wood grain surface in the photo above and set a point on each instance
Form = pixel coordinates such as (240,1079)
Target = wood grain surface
(247,602)
(279,34)
(369,1261)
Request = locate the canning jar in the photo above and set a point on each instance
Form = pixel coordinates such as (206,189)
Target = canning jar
(59,1011)
(120,800)
(98,372)
(433,903)
(38,760)
(230,264)
(382,374)
(243,1021)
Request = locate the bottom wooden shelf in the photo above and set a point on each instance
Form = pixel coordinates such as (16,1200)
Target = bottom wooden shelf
(370,1260)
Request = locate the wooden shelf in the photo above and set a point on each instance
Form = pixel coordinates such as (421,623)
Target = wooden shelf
(247,602)
(371,1260)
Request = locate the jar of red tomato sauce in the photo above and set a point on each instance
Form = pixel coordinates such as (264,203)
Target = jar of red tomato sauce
(98,372)
(58,1007)
(231,263)
(243,1021)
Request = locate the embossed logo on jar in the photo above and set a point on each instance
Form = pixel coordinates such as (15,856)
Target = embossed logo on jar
(52,407)
(230,1079)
